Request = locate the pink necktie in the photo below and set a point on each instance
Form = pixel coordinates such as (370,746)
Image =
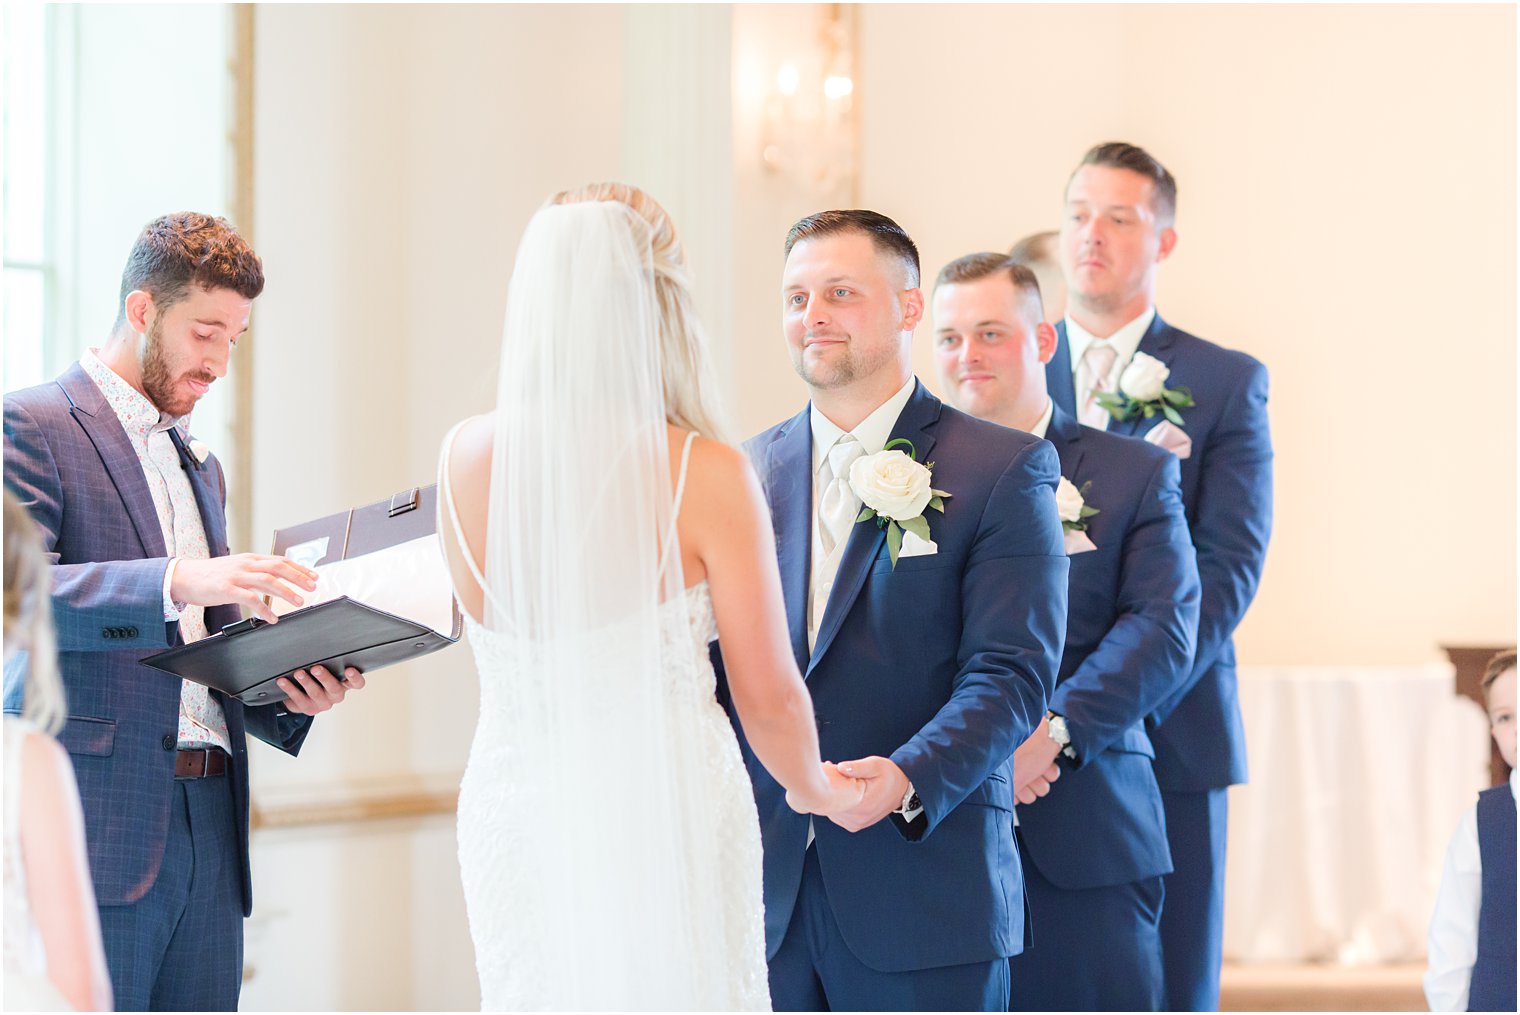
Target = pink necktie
(1097,361)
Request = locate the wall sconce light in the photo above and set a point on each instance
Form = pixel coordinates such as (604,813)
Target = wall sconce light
(810,129)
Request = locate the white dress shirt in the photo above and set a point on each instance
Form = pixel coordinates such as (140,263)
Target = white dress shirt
(1125,341)
(1453,942)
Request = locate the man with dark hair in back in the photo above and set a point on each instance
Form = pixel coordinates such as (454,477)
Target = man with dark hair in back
(132,512)
(928,626)
(1040,253)
(1091,833)
(1119,366)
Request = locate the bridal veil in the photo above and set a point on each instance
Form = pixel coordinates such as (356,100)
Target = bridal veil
(584,574)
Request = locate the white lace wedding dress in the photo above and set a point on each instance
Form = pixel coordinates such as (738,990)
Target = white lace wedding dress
(517,915)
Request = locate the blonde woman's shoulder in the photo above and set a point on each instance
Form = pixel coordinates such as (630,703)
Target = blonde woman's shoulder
(720,479)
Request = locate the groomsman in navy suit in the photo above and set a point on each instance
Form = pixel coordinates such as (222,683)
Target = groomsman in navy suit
(1117,227)
(929,661)
(1093,845)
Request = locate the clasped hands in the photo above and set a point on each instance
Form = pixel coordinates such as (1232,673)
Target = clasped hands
(861,793)
(1034,765)
(244,579)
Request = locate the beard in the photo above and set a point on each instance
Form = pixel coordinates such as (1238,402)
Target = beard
(842,370)
(159,379)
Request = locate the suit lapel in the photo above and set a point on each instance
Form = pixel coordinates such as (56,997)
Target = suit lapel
(914,423)
(93,414)
(207,500)
(1058,374)
(1066,434)
(788,485)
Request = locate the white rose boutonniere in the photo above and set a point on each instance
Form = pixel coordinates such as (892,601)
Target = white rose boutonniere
(896,491)
(1143,391)
(1072,506)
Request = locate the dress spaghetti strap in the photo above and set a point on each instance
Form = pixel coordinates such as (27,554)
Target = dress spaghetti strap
(446,496)
(675,504)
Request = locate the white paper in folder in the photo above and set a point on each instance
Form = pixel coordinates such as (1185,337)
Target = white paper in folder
(410,580)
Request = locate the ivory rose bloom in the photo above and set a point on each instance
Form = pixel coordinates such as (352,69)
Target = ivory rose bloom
(891,484)
(1144,378)
(1068,501)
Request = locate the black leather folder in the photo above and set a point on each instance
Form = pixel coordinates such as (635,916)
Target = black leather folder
(245,659)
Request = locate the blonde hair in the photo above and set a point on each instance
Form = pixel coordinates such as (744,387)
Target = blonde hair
(1496,668)
(685,365)
(29,617)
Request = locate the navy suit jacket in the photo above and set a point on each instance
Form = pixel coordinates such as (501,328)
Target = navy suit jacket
(73,467)
(1227,488)
(1130,630)
(944,664)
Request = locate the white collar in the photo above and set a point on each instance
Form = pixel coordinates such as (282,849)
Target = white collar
(873,432)
(1044,422)
(1125,340)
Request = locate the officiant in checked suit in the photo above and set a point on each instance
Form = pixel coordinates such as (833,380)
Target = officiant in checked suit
(132,512)
(1116,230)
(929,652)
(1090,829)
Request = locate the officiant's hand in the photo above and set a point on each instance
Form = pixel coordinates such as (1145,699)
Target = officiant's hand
(318,690)
(243,579)
(843,793)
(1034,765)
(886,785)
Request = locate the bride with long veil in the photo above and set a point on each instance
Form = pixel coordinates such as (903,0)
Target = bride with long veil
(600,537)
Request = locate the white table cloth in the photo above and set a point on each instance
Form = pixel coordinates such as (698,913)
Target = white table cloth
(1358,777)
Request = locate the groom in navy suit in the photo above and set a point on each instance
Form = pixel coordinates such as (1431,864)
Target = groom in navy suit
(1093,844)
(132,514)
(1117,227)
(929,651)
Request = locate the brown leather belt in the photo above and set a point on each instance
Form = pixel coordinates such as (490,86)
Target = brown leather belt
(198,764)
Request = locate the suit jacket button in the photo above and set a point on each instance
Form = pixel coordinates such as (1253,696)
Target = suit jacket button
(105,632)
(131,632)
(169,742)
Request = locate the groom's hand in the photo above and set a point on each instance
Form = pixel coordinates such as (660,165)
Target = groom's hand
(885,785)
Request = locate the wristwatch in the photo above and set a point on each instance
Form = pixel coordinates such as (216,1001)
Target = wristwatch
(910,805)
(1060,734)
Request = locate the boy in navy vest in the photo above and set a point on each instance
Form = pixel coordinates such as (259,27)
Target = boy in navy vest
(1472,934)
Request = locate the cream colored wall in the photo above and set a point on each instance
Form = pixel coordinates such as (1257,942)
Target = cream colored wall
(400,151)
(1347,215)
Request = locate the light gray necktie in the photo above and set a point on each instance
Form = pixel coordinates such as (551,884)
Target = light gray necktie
(1097,361)
(838,506)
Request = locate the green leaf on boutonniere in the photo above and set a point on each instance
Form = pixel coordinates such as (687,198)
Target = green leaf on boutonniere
(912,451)
(937,502)
(1171,414)
(918,525)
(1119,407)
(1179,396)
(1087,511)
(894,542)
(866,514)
